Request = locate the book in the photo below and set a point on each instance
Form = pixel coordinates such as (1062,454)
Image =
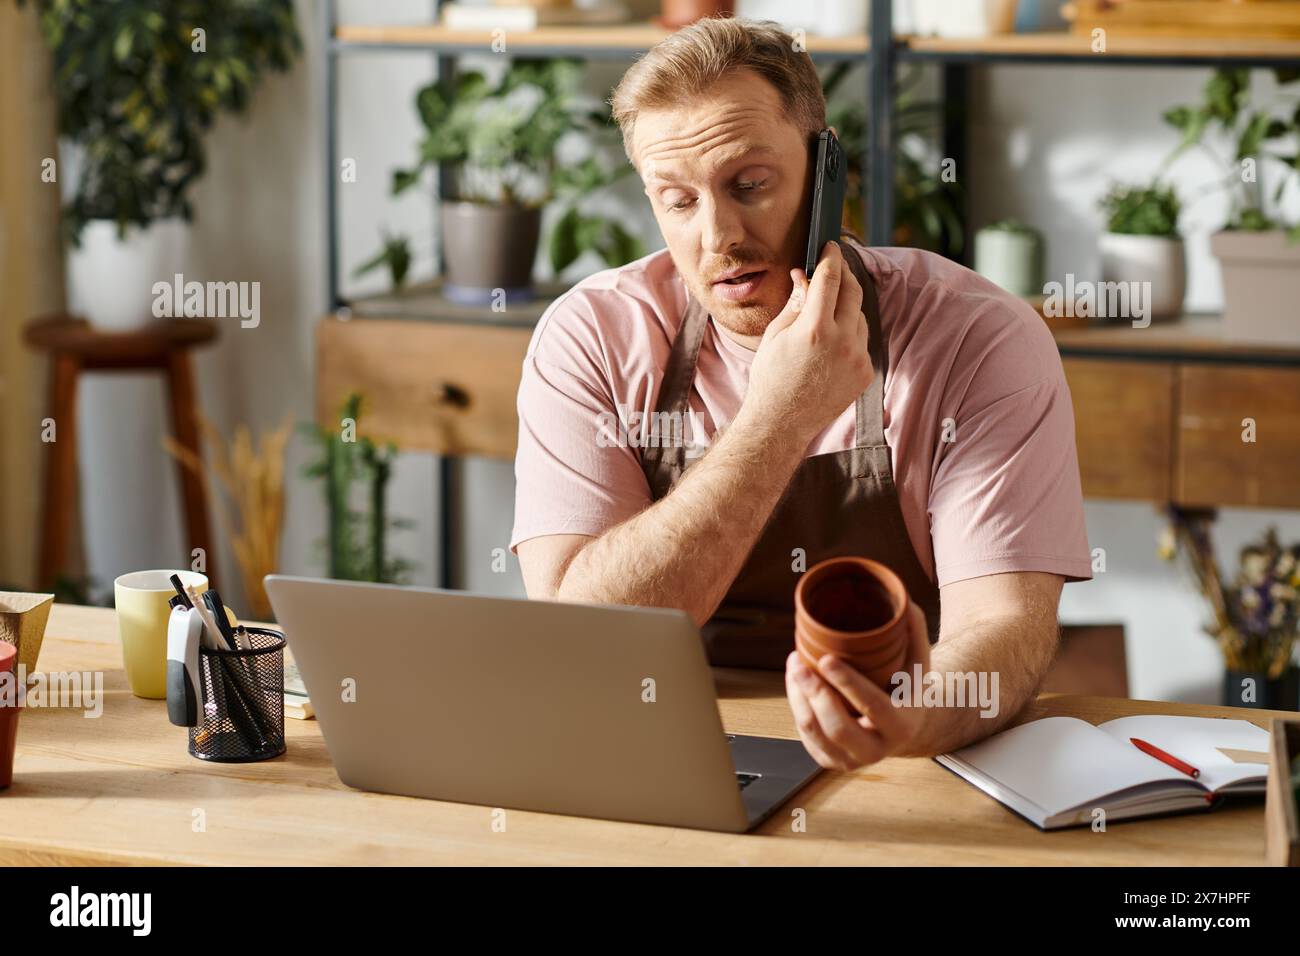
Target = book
(466,16)
(1055,772)
(296,703)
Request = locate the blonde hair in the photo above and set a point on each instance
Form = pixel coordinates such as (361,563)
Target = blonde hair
(696,57)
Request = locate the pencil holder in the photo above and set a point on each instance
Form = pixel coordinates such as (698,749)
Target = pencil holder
(242,717)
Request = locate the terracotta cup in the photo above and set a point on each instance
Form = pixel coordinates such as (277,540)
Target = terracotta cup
(8,712)
(855,608)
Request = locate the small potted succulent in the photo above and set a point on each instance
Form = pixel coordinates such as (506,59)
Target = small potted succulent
(1258,253)
(1256,615)
(1142,244)
(503,142)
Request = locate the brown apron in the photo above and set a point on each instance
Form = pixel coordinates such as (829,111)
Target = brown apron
(843,503)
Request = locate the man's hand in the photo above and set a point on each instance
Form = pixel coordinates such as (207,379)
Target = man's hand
(813,361)
(827,706)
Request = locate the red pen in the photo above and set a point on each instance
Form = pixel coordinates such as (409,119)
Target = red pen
(1163,757)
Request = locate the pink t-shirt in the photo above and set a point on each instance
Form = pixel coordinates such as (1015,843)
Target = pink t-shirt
(977,412)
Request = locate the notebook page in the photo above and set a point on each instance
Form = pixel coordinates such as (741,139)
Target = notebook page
(1063,762)
(1195,740)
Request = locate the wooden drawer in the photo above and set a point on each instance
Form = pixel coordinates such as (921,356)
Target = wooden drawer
(427,386)
(1124,426)
(1215,467)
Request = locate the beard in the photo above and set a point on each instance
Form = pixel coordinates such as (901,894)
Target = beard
(749,317)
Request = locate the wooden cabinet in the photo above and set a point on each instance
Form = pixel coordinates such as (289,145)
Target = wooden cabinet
(1123,426)
(448,388)
(1219,409)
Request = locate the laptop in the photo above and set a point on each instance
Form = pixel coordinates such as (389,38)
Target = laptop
(586,710)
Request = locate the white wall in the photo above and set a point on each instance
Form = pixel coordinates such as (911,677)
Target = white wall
(1045,142)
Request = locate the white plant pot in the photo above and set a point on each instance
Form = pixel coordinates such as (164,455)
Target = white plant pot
(1157,261)
(963,18)
(1261,286)
(110,280)
(1013,260)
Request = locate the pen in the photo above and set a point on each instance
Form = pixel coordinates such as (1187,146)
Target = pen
(1154,751)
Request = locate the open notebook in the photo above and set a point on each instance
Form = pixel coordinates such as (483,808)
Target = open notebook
(1056,771)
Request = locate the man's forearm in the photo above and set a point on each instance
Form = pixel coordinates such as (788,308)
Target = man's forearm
(685,550)
(1018,649)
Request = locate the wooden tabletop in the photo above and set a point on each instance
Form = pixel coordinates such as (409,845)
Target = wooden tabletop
(121,789)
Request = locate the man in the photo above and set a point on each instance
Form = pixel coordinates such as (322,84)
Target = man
(897,406)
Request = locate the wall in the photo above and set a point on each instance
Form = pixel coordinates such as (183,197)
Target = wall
(1045,143)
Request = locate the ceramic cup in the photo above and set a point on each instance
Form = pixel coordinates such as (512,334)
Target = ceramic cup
(141,599)
(857,609)
(8,712)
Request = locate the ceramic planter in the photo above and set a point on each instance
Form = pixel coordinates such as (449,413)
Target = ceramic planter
(1011,258)
(489,250)
(1261,286)
(675,14)
(1280,694)
(111,280)
(9,711)
(1157,260)
(855,608)
(22,623)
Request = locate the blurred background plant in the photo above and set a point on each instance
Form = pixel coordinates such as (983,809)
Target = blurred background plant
(927,204)
(1143,210)
(138,83)
(530,139)
(1255,614)
(356,542)
(1256,133)
(253,478)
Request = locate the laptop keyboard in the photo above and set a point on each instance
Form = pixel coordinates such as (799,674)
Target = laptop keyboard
(743,779)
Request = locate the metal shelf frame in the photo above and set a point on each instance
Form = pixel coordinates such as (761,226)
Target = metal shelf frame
(881,57)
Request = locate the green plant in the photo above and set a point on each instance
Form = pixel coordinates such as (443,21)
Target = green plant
(927,202)
(500,142)
(1257,134)
(356,541)
(138,83)
(1150,210)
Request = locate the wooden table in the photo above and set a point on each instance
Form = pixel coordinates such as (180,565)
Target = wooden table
(121,789)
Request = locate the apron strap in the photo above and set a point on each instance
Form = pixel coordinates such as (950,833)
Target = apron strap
(869,431)
(679,375)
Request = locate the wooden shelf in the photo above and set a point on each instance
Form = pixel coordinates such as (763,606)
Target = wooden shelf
(425,302)
(1056,46)
(619,38)
(1192,338)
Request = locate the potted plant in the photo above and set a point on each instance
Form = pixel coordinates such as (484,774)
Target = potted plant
(1259,254)
(501,142)
(1011,254)
(927,199)
(138,84)
(1142,244)
(1256,615)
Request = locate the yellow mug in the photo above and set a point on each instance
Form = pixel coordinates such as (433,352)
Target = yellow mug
(142,612)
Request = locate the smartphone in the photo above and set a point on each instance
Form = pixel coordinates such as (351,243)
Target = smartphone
(829,179)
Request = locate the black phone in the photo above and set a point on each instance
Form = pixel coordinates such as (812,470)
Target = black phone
(829,179)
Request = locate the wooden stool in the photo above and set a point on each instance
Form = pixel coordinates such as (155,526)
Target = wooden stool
(76,346)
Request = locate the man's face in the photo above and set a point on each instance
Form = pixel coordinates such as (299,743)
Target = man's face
(728,178)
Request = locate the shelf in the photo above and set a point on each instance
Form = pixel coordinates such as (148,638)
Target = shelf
(613,41)
(1192,338)
(1120,50)
(425,302)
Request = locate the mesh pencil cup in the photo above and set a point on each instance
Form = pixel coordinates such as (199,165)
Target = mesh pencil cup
(242,718)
